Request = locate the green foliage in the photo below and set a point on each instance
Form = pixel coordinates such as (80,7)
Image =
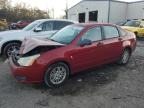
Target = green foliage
(20,12)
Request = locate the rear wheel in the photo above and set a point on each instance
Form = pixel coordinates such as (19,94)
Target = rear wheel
(125,57)
(11,48)
(56,74)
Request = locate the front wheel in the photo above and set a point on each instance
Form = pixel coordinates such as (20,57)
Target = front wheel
(125,57)
(56,74)
(11,48)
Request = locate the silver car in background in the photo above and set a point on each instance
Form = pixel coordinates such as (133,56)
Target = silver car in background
(10,41)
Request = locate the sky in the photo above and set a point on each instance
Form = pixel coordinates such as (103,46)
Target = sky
(57,5)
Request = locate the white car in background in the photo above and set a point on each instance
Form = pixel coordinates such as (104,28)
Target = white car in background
(10,41)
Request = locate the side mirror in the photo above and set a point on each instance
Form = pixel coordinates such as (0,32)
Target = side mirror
(85,42)
(38,29)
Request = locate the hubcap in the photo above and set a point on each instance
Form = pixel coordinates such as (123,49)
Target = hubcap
(58,75)
(125,57)
(13,50)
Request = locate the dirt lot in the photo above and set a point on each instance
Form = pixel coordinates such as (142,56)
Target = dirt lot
(110,86)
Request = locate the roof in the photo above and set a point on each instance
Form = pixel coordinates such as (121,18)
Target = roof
(109,0)
(57,20)
(116,1)
(136,1)
(91,24)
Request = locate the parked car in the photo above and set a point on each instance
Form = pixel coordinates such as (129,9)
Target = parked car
(20,24)
(73,49)
(12,26)
(135,26)
(10,41)
(23,23)
(122,23)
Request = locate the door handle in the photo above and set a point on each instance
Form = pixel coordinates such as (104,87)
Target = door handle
(120,39)
(100,43)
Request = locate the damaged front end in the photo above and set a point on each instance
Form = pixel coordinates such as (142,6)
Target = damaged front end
(31,50)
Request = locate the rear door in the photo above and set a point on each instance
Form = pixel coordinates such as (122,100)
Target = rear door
(112,43)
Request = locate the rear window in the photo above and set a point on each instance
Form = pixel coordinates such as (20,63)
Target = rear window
(93,34)
(110,32)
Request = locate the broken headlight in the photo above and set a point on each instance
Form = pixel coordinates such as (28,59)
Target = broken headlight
(28,61)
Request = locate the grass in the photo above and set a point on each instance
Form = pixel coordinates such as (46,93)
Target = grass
(0,59)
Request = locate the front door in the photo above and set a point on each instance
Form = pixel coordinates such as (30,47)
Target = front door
(47,30)
(88,56)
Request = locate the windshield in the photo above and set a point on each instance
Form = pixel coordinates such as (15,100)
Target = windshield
(67,34)
(133,23)
(31,26)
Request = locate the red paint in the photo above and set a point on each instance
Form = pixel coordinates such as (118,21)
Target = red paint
(22,24)
(79,58)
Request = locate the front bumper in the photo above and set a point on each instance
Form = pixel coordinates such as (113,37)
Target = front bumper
(31,74)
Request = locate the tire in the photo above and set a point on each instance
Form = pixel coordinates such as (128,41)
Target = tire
(11,46)
(124,59)
(136,34)
(53,73)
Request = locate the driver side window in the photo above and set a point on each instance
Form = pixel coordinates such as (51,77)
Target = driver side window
(93,34)
(47,26)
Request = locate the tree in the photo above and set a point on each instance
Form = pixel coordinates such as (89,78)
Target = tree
(4,4)
(20,11)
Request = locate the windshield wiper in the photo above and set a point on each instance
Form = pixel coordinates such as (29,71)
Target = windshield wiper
(56,41)
(53,40)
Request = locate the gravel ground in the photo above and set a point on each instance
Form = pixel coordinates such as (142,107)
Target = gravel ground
(110,86)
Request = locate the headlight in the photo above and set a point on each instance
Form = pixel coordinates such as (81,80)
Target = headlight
(28,61)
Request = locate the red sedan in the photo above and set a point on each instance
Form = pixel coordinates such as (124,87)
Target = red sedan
(73,49)
(22,24)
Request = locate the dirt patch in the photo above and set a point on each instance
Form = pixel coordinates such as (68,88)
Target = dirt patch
(77,84)
(109,86)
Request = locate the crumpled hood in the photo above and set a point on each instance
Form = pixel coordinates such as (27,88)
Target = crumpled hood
(11,33)
(32,43)
(132,29)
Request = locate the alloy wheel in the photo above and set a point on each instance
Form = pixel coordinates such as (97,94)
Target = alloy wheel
(58,75)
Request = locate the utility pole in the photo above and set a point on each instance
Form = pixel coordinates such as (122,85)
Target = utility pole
(66,10)
(109,6)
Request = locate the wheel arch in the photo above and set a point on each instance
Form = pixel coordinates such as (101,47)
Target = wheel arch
(12,41)
(129,48)
(63,61)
